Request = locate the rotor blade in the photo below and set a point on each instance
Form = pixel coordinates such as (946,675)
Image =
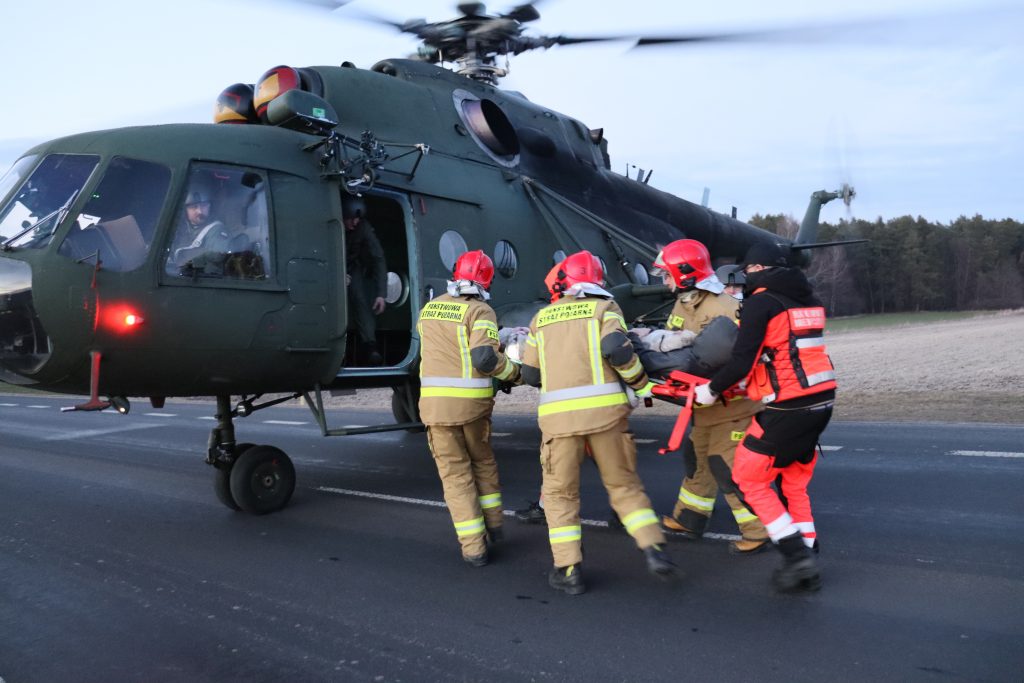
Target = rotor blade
(808,33)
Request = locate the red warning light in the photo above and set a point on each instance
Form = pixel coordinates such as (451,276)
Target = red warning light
(131,320)
(120,318)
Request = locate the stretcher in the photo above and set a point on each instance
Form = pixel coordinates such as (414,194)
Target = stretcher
(678,388)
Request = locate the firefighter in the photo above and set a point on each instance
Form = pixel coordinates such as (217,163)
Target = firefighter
(459,350)
(579,356)
(781,351)
(717,429)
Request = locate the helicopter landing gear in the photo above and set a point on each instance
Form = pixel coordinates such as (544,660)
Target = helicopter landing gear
(248,477)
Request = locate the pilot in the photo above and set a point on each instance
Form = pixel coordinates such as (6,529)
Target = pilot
(198,233)
(685,266)
(579,356)
(733,278)
(366,277)
(781,351)
(459,349)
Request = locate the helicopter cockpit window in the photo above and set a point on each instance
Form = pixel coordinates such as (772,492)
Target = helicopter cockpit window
(16,173)
(222,227)
(117,224)
(451,247)
(640,275)
(31,216)
(506,261)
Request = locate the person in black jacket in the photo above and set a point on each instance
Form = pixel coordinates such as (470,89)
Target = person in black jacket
(780,351)
(366,277)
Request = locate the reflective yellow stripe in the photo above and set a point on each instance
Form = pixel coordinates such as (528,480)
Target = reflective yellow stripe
(615,316)
(471,527)
(456,392)
(633,371)
(543,363)
(639,518)
(582,404)
(696,501)
(565,534)
(467,365)
(489,327)
(531,340)
(743,516)
(596,364)
(510,369)
(491,500)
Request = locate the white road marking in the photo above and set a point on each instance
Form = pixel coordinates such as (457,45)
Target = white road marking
(86,433)
(353,426)
(831,448)
(989,454)
(10,405)
(507,513)
(500,435)
(283,422)
(160,414)
(206,417)
(645,441)
(37,407)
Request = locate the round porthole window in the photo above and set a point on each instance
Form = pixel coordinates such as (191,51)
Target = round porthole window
(450,248)
(506,261)
(640,275)
(396,290)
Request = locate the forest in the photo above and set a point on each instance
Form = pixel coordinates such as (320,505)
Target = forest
(910,264)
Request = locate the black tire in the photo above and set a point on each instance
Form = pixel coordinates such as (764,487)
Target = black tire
(262,480)
(222,479)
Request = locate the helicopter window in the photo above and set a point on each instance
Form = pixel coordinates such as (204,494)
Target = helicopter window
(397,291)
(506,261)
(118,222)
(451,247)
(640,275)
(33,213)
(222,227)
(16,174)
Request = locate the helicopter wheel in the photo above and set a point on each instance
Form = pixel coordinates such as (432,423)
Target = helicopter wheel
(262,480)
(222,479)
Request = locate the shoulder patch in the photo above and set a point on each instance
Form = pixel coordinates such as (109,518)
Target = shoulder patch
(572,311)
(444,310)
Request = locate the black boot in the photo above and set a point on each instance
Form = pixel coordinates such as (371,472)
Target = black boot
(799,571)
(659,563)
(476,560)
(567,579)
(495,535)
(531,514)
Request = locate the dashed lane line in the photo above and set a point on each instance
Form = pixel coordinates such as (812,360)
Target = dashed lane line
(989,454)
(86,433)
(284,422)
(507,513)
(831,448)
(160,414)
(38,407)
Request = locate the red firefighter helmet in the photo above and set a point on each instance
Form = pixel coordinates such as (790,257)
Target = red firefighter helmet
(579,267)
(687,261)
(475,266)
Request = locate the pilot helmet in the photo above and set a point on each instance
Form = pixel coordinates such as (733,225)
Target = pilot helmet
(353,207)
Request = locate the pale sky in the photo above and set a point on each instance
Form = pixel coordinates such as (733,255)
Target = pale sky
(923,113)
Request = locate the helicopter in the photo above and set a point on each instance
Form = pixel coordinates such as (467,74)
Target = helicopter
(100,297)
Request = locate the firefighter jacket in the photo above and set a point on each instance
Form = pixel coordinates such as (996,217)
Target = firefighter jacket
(459,356)
(780,347)
(693,311)
(578,354)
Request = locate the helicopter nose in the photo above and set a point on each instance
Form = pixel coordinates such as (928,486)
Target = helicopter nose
(24,345)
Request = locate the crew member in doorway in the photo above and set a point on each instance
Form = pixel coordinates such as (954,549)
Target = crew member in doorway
(579,356)
(459,347)
(717,429)
(780,350)
(198,234)
(366,276)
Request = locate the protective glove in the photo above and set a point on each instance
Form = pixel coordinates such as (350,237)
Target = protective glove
(645,390)
(703,395)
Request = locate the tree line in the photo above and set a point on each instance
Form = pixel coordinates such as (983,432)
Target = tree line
(910,264)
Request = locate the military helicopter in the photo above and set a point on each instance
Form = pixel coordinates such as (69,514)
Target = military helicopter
(100,295)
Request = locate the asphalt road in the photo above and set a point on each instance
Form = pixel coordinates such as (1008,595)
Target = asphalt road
(117,563)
